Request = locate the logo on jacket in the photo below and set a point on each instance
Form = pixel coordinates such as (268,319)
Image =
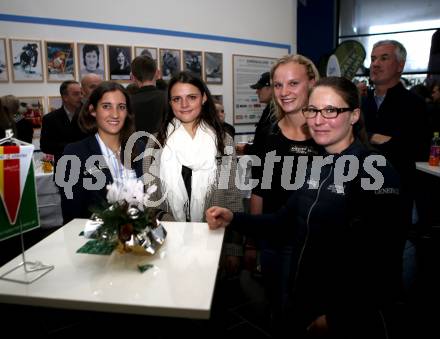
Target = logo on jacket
(338,189)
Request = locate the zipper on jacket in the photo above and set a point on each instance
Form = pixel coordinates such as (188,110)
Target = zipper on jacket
(298,264)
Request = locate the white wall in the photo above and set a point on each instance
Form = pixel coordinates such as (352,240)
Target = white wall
(258,22)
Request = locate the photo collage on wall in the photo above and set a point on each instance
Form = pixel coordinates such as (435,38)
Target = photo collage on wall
(37,61)
(28,60)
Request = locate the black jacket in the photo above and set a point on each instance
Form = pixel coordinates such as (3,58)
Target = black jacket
(403,116)
(25,131)
(348,245)
(229,129)
(84,198)
(261,130)
(57,131)
(149,106)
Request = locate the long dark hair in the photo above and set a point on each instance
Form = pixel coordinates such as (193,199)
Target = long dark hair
(348,91)
(208,114)
(87,122)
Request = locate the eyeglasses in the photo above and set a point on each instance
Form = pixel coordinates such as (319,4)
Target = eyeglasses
(327,112)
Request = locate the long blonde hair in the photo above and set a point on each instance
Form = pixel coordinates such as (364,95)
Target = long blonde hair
(312,73)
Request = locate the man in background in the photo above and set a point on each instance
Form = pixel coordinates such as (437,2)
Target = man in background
(60,127)
(395,118)
(148,102)
(88,83)
(264,92)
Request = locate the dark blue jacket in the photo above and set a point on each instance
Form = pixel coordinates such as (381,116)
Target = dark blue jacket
(348,245)
(84,198)
(402,116)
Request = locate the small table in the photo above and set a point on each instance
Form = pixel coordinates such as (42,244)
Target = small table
(425,167)
(181,283)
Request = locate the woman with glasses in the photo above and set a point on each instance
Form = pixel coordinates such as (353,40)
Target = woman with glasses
(98,160)
(197,165)
(345,222)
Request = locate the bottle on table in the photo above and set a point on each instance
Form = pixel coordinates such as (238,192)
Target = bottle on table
(434,154)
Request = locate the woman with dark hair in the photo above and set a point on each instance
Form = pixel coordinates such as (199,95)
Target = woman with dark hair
(121,64)
(90,55)
(98,159)
(345,221)
(196,151)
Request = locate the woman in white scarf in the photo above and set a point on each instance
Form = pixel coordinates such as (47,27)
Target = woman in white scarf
(193,144)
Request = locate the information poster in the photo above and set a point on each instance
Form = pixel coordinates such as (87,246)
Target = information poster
(246,72)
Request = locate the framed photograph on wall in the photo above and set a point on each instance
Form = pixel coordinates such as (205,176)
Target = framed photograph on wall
(4,72)
(246,70)
(119,61)
(169,60)
(148,51)
(53,103)
(91,59)
(213,67)
(33,109)
(60,61)
(26,60)
(192,62)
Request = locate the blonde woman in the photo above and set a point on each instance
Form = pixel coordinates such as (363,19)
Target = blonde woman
(292,77)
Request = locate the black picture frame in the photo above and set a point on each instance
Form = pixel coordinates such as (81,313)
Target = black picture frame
(119,62)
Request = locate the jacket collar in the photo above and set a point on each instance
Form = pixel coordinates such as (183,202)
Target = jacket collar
(356,148)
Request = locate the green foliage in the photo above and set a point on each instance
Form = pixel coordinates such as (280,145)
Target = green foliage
(117,216)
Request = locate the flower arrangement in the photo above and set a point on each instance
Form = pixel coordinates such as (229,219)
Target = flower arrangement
(126,221)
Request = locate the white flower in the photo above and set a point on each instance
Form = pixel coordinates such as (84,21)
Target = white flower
(130,191)
(113,193)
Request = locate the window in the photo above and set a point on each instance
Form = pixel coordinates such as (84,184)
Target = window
(409,22)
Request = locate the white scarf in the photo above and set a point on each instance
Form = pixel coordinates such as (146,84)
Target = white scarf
(199,154)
